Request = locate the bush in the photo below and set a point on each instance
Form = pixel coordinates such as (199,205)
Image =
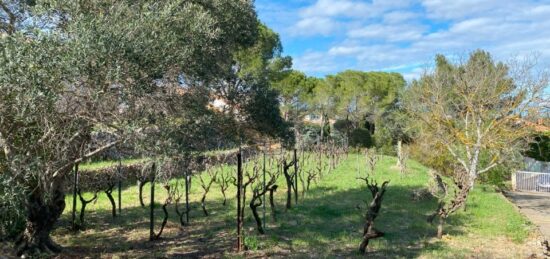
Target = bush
(338,137)
(440,160)
(360,138)
(252,243)
(310,133)
(343,125)
(496,176)
(384,141)
(540,148)
(12,214)
(500,174)
(436,158)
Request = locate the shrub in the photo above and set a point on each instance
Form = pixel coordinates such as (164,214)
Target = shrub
(251,243)
(338,137)
(360,138)
(343,125)
(539,149)
(310,132)
(12,213)
(384,141)
(441,161)
(500,174)
(436,158)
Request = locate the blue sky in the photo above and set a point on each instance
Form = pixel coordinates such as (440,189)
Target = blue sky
(328,36)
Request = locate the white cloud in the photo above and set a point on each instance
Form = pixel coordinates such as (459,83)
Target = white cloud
(315,62)
(396,17)
(382,34)
(349,8)
(391,33)
(332,8)
(325,16)
(456,9)
(345,50)
(315,26)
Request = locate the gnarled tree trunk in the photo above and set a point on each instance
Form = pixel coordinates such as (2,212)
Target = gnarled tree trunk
(254,204)
(463,184)
(42,213)
(444,210)
(180,213)
(289,183)
(369,232)
(84,203)
(141,183)
(109,193)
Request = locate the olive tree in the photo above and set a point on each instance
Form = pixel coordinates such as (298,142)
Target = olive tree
(69,68)
(472,108)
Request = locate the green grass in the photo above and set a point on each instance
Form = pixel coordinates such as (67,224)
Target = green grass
(91,166)
(326,223)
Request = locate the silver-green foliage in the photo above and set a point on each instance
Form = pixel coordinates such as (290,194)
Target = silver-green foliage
(11,208)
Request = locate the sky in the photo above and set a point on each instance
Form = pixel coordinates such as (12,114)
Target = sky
(328,36)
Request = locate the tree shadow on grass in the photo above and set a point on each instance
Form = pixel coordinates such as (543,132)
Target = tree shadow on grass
(128,233)
(327,223)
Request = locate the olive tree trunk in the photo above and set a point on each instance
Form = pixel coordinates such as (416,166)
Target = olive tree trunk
(42,213)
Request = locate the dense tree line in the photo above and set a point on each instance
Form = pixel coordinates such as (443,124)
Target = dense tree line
(359,104)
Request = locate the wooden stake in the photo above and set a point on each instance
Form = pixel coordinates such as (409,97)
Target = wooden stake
(119,187)
(263,203)
(75,188)
(239,205)
(186,197)
(295,177)
(152,206)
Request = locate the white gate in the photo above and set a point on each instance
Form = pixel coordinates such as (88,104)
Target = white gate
(531,181)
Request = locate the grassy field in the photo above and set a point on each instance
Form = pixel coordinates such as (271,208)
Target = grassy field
(326,223)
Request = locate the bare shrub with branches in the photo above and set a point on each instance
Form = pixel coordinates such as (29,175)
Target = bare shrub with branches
(259,190)
(177,195)
(224,178)
(166,170)
(83,203)
(371,158)
(461,188)
(206,180)
(369,232)
(307,171)
(321,164)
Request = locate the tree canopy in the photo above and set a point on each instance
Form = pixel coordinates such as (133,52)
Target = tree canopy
(70,68)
